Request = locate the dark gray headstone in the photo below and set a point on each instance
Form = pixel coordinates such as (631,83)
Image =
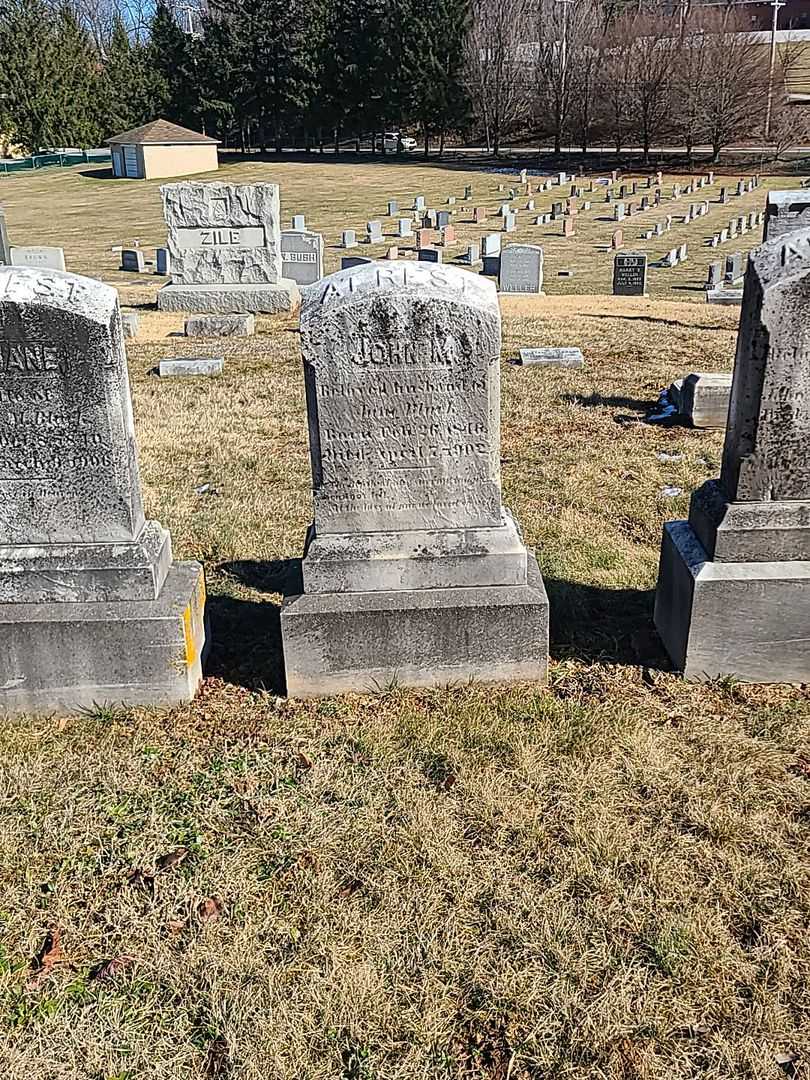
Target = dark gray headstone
(302,256)
(630,273)
(429,255)
(521,269)
(132,259)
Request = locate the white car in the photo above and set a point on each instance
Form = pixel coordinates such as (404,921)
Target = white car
(390,141)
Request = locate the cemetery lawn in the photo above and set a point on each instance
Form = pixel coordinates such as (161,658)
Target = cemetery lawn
(606,878)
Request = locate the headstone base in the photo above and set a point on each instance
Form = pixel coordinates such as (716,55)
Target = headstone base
(338,643)
(408,560)
(70,656)
(720,618)
(90,573)
(725,297)
(230,299)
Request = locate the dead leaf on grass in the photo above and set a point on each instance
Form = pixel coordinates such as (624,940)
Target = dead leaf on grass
(172,859)
(304,761)
(209,909)
(47,958)
(142,879)
(449,781)
(108,970)
(349,887)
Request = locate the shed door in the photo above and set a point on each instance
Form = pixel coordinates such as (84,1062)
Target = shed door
(131,161)
(117,163)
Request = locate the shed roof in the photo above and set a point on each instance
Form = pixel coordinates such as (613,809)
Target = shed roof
(161,132)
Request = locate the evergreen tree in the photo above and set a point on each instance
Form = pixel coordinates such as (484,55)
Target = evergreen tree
(171,56)
(133,92)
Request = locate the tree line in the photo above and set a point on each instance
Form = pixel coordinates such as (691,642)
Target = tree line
(269,73)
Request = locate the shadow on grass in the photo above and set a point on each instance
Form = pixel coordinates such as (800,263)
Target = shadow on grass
(599,401)
(100,174)
(588,623)
(652,319)
(246,634)
(591,623)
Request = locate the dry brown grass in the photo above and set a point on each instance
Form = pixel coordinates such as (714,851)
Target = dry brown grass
(605,879)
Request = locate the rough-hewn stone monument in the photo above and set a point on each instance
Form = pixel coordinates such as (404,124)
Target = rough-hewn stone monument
(734,584)
(224,243)
(413,569)
(92,607)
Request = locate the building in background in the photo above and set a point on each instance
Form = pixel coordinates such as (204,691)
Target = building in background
(161,149)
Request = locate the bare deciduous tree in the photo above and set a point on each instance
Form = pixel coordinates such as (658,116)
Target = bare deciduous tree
(497,47)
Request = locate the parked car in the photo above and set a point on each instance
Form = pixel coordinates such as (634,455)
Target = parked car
(389,142)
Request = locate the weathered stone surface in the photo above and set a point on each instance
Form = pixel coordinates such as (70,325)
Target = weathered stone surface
(724,297)
(220,326)
(630,274)
(786,211)
(223,234)
(60,657)
(86,613)
(38,258)
(302,257)
(553,357)
(747,619)
(230,299)
(521,269)
(742,561)
(702,398)
(191,365)
(411,550)
(340,642)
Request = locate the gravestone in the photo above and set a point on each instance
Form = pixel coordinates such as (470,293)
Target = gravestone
(413,572)
(671,257)
(132,259)
(224,242)
(163,262)
(702,398)
(521,269)
(617,240)
(5,247)
(429,255)
(298,223)
(447,235)
(348,261)
(683,253)
(190,366)
(348,238)
(38,258)
(725,297)
(618,211)
(429,220)
(220,326)
(443,218)
(393,207)
(733,595)
(419,203)
(472,255)
(92,607)
(392,253)
(568,226)
(405,227)
(479,214)
(551,357)
(425,238)
(714,275)
(734,268)
(130,324)
(301,256)
(374,234)
(630,274)
(786,211)
(491,244)
(509,223)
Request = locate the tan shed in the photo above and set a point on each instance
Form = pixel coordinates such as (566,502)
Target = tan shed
(162,149)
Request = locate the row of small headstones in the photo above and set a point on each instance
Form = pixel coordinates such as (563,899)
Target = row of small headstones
(740,224)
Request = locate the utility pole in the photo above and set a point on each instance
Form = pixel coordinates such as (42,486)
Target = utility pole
(769,110)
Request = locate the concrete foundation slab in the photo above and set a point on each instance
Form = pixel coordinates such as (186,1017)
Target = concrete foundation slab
(748,620)
(63,657)
(360,642)
(230,299)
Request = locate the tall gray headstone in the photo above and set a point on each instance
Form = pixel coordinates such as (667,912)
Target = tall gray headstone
(413,572)
(224,241)
(302,256)
(521,269)
(92,608)
(734,583)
